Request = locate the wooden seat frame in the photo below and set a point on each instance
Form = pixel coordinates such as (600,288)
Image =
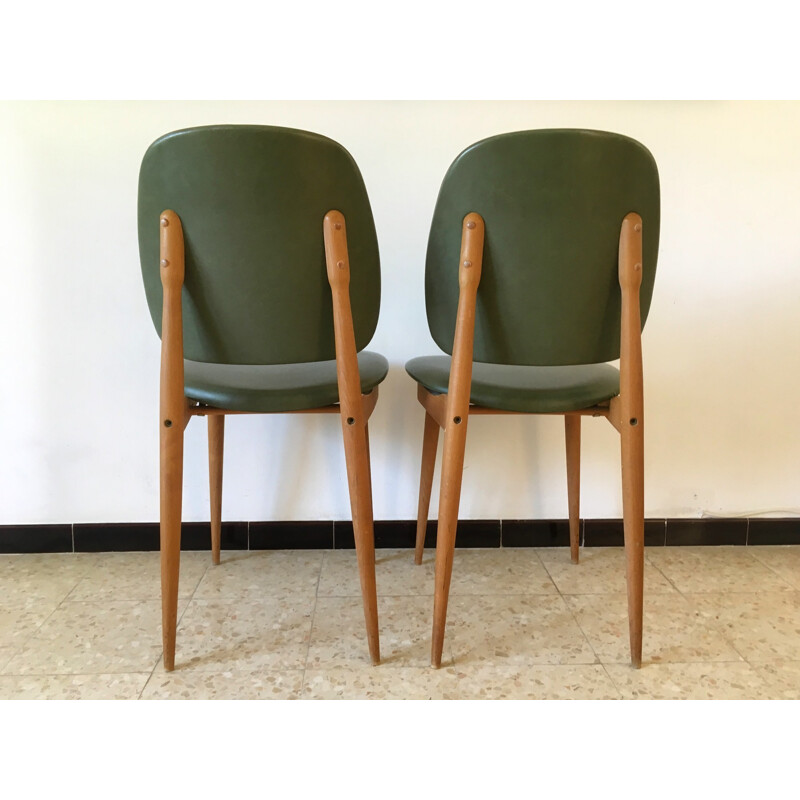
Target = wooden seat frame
(176,411)
(451,412)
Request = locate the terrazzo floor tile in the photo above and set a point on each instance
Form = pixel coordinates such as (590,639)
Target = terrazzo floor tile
(381,683)
(783,678)
(77,638)
(781,559)
(673,629)
(39,576)
(339,638)
(710,681)
(271,573)
(227,685)
(715,569)
(19,621)
(601,571)
(395,573)
(536,682)
(761,626)
(246,634)
(133,576)
(522,629)
(510,571)
(125,686)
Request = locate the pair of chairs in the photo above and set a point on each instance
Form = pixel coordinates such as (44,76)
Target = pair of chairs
(537,275)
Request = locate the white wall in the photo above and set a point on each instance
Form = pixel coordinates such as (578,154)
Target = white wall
(80,358)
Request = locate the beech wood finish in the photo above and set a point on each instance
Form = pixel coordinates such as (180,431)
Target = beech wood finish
(176,411)
(451,411)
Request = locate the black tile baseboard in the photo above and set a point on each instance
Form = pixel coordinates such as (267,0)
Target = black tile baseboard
(324,535)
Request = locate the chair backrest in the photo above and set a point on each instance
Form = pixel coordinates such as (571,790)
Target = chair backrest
(553,202)
(251,200)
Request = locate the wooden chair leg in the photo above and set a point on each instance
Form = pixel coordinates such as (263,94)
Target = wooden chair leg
(356,451)
(216,447)
(572,427)
(455,439)
(430,441)
(171,499)
(633,520)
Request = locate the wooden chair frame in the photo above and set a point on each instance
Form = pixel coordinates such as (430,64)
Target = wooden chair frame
(176,410)
(451,412)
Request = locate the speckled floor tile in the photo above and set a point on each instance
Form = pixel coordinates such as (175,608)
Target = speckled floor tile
(710,681)
(761,626)
(339,638)
(245,634)
(271,573)
(395,573)
(673,629)
(19,621)
(134,576)
(522,629)
(715,569)
(227,685)
(536,682)
(124,686)
(782,559)
(510,571)
(782,676)
(82,638)
(39,576)
(601,571)
(381,683)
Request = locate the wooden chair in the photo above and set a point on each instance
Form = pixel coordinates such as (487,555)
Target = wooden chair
(257,308)
(541,257)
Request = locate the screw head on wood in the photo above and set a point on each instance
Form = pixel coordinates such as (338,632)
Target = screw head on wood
(637,228)
(467,263)
(338,226)
(470,225)
(340,264)
(164,262)
(637,267)
(164,222)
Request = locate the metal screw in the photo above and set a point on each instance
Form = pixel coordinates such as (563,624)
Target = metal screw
(634,421)
(637,267)
(340,264)
(167,423)
(467,263)
(457,420)
(637,227)
(164,262)
(338,226)
(351,421)
(470,225)
(164,222)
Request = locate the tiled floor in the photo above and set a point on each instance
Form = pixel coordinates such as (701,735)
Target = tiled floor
(720,622)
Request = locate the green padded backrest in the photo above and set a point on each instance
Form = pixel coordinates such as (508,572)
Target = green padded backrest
(251,200)
(553,202)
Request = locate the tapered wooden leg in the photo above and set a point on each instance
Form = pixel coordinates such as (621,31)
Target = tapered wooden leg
(216,447)
(455,439)
(633,520)
(572,426)
(430,441)
(171,499)
(356,454)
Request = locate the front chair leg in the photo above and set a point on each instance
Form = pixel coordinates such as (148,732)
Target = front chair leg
(216,447)
(455,439)
(356,451)
(430,441)
(572,425)
(171,448)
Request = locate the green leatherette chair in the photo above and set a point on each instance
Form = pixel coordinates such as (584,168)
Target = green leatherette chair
(540,269)
(246,234)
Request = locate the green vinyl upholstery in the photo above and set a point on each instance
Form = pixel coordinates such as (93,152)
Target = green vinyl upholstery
(532,390)
(552,202)
(257,306)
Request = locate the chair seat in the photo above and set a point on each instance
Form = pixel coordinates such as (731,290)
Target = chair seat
(534,390)
(275,387)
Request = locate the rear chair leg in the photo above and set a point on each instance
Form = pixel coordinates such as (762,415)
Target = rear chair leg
(430,441)
(216,446)
(171,499)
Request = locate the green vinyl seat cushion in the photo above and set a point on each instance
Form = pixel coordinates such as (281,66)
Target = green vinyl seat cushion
(533,390)
(275,388)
